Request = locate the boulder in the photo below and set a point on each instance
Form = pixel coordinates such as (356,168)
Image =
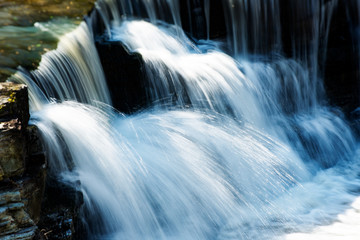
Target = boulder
(124,72)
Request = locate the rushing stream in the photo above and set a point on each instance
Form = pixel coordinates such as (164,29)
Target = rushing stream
(238,142)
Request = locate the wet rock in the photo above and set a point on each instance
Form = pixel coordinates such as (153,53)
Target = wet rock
(29,210)
(12,154)
(32,192)
(194,21)
(24,234)
(124,74)
(14,115)
(341,69)
(35,147)
(15,222)
(22,178)
(60,210)
(59,226)
(14,103)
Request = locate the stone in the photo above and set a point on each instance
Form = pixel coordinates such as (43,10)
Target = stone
(341,78)
(12,153)
(7,197)
(25,212)
(22,166)
(14,115)
(15,222)
(124,75)
(35,146)
(60,210)
(14,103)
(194,22)
(24,234)
(32,193)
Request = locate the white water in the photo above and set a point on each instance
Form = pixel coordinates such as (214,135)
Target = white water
(277,97)
(153,160)
(230,149)
(186,175)
(114,11)
(71,72)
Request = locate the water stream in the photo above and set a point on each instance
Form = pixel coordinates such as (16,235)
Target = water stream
(232,147)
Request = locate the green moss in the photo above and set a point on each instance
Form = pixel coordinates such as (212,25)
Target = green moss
(12,97)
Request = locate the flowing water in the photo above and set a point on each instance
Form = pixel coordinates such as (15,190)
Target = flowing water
(232,147)
(66,73)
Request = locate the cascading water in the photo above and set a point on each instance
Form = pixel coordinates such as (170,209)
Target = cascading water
(112,12)
(72,72)
(231,148)
(253,23)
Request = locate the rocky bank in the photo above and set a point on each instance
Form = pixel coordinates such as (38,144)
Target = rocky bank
(33,204)
(22,166)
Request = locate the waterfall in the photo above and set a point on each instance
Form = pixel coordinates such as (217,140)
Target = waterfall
(113,11)
(71,72)
(207,16)
(212,81)
(238,142)
(253,22)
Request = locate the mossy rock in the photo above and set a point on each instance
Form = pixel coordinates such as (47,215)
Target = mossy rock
(14,116)
(14,103)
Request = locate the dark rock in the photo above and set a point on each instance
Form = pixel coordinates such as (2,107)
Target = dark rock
(124,74)
(21,180)
(60,210)
(341,69)
(36,160)
(14,103)
(32,192)
(25,212)
(15,222)
(95,22)
(12,153)
(14,115)
(59,226)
